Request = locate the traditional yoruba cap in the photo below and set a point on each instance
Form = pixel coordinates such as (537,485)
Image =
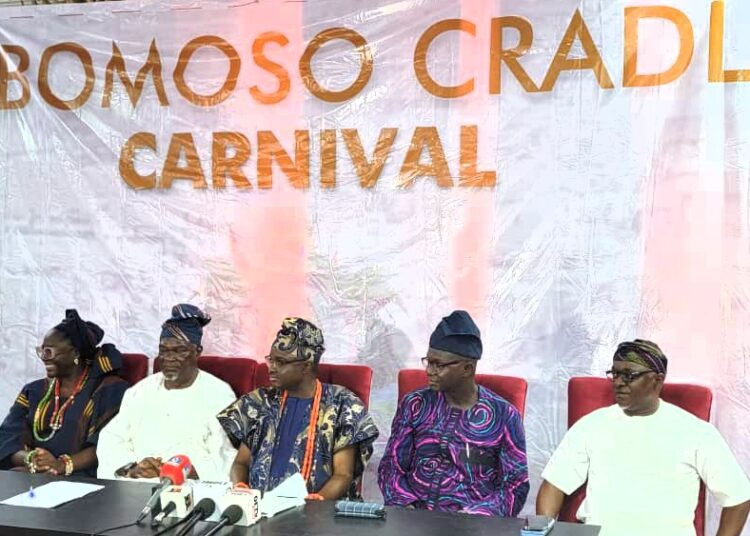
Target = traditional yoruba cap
(458,334)
(84,336)
(300,335)
(185,324)
(644,353)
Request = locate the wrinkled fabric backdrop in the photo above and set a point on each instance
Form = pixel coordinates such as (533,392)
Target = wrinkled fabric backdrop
(617,213)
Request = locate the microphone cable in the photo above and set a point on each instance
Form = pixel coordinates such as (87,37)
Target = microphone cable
(119,527)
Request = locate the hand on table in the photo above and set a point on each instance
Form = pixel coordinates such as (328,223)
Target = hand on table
(43,461)
(146,468)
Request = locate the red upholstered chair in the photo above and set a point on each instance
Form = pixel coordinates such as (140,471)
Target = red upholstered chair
(134,368)
(356,378)
(588,394)
(510,388)
(238,372)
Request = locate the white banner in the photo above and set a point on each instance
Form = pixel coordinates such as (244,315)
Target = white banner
(572,173)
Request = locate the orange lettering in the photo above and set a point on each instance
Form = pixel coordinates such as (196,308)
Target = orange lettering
(269,149)
(469,174)
(365,70)
(88,68)
(420,59)
(593,60)
(16,75)
(272,67)
(425,137)
(328,158)
(630,78)
(369,171)
(716,72)
(140,140)
(182,142)
(510,56)
(152,66)
(229,83)
(223,165)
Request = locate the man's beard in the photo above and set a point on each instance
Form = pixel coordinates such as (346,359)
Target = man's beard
(172,376)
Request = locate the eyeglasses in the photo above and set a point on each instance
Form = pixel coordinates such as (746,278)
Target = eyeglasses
(49,352)
(436,365)
(275,363)
(626,375)
(175,354)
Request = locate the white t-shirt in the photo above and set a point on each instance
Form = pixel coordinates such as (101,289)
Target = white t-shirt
(159,422)
(644,472)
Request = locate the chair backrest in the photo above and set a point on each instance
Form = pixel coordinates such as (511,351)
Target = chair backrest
(356,378)
(238,372)
(588,394)
(510,388)
(134,368)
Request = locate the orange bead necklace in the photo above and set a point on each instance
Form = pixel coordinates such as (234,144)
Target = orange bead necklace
(307,463)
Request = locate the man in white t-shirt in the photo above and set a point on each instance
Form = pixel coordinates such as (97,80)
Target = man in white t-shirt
(643,459)
(171,412)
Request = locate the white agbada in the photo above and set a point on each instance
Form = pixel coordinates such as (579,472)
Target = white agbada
(644,472)
(159,422)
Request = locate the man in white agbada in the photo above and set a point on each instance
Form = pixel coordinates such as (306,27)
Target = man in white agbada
(644,459)
(171,412)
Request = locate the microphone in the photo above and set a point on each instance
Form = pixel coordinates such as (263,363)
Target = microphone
(212,490)
(248,500)
(230,516)
(158,518)
(201,511)
(173,472)
(181,496)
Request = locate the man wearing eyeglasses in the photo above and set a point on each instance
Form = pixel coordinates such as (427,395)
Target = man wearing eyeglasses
(455,446)
(644,459)
(171,412)
(299,424)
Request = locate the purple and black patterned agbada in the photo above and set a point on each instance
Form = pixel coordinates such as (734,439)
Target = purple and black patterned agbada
(443,458)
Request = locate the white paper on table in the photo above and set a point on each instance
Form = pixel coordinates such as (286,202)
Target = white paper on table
(289,494)
(52,494)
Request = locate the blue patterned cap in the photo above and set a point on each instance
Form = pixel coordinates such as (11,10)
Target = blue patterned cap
(185,324)
(300,335)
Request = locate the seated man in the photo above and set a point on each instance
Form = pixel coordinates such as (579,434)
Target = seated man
(455,446)
(171,412)
(300,425)
(644,459)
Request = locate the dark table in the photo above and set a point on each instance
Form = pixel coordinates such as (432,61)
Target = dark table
(120,502)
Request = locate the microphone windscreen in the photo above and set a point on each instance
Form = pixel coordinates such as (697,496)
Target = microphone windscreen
(233,514)
(176,469)
(205,507)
